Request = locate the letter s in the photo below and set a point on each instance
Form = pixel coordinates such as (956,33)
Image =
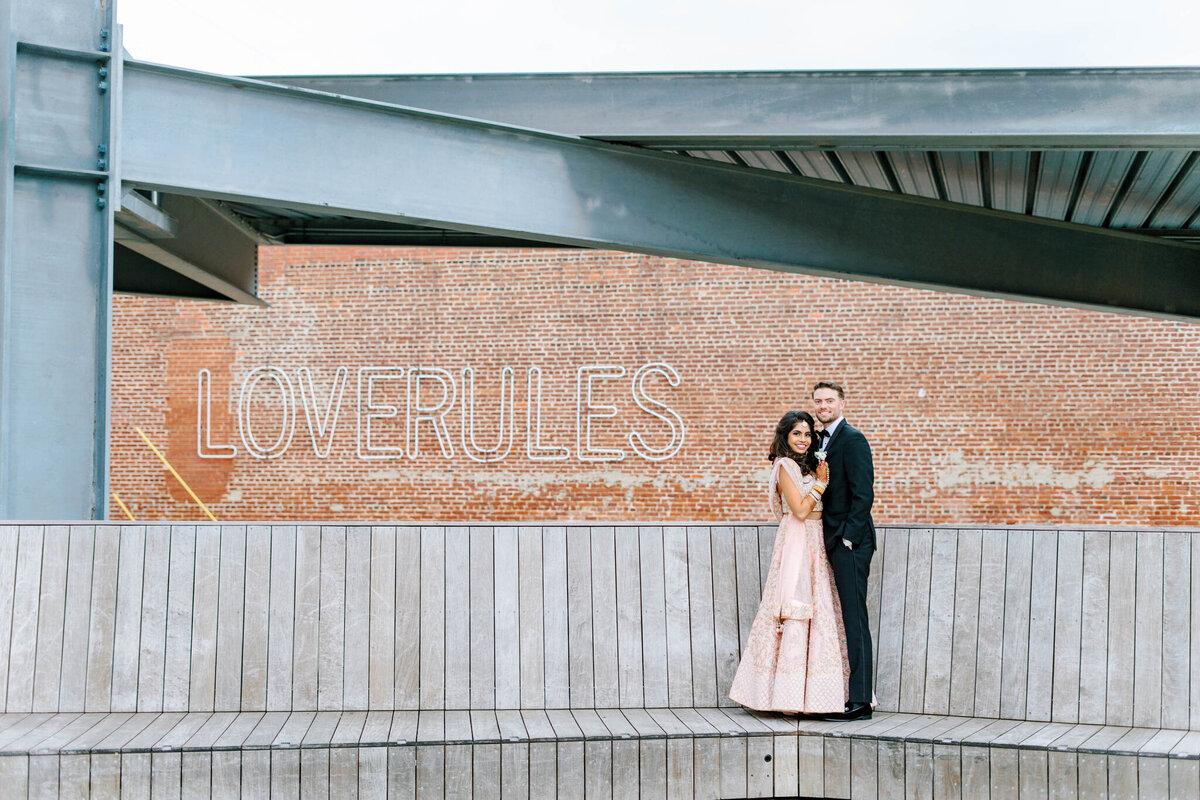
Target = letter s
(656,408)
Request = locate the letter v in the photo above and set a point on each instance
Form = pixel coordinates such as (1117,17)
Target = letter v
(321,427)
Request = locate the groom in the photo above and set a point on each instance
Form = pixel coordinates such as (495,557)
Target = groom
(849,535)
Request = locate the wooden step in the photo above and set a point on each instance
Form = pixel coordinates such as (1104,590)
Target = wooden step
(701,752)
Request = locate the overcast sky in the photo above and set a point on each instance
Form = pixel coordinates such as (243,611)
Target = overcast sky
(256,37)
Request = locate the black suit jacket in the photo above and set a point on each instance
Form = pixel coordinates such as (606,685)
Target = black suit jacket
(847,500)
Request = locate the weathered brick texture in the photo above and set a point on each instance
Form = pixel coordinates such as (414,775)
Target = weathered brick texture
(978,410)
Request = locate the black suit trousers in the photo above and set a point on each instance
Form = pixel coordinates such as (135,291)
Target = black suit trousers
(850,570)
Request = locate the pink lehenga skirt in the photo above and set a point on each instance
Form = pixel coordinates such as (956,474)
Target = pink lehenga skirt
(795,656)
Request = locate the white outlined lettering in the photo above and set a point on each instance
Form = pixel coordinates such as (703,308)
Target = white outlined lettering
(435,415)
(288,426)
(651,406)
(368,410)
(586,411)
(321,427)
(534,449)
(382,389)
(204,446)
(505,423)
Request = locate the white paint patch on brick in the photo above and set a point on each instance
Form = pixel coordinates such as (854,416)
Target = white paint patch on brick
(954,469)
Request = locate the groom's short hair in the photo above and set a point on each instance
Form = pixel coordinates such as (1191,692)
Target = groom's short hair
(829,385)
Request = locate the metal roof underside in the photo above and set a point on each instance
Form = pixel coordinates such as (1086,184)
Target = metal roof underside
(1154,192)
(1115,148)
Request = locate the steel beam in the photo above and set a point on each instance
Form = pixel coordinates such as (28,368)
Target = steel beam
(299,149)
(206,244)
(60,105)
(978,110)
(134,273)
(344,231)
(141,216)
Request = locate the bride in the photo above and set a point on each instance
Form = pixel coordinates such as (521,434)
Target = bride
(795,657)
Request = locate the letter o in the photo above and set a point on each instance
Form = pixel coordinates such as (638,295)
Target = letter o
(288,427)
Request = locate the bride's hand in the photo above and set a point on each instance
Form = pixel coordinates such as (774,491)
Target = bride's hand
(823,472)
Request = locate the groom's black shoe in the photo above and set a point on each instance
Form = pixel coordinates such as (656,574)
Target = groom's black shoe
(853,711)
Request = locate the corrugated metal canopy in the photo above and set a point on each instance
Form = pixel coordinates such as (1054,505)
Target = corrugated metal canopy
(1155,192)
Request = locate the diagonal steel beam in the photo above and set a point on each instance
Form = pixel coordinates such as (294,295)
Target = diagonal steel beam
(235,139)
(925,109)
(200,241)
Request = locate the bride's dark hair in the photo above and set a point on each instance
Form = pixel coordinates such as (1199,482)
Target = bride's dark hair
(781,449)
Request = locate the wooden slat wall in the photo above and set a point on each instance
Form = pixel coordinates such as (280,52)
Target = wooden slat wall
(1176,615)
(356,681)
(580,642)
(508,618)
(629,617)
(991,613)
(49,615)
(1043,611)
(679,643)
(605,652)
(430,575)
(654,617)
(531,607)
(914,634)
(554,618)
(1122,602)
(256,621)
(409,615)
(892,568)
(940,647)
(384,666)
(306,619)
(965,635)
(181,581)
(1014,656)
(725,610)
(480,600)
(8,578)
(705,690)
(1069,626)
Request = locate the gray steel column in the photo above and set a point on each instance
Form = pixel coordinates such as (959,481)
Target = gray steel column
(60,105)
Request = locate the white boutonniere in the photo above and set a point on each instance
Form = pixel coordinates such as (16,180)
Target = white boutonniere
(820,454)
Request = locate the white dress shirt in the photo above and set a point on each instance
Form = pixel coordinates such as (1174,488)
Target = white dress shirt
(833,426)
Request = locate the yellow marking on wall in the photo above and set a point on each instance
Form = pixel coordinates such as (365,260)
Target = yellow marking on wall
(124,507)
(178,477)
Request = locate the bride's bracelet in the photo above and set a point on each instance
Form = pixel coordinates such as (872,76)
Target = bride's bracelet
(819,487)
(815,495)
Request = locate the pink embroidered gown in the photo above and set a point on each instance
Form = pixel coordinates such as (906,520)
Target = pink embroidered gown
(795,656)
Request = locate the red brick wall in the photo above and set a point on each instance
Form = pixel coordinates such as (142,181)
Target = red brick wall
(978,411)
